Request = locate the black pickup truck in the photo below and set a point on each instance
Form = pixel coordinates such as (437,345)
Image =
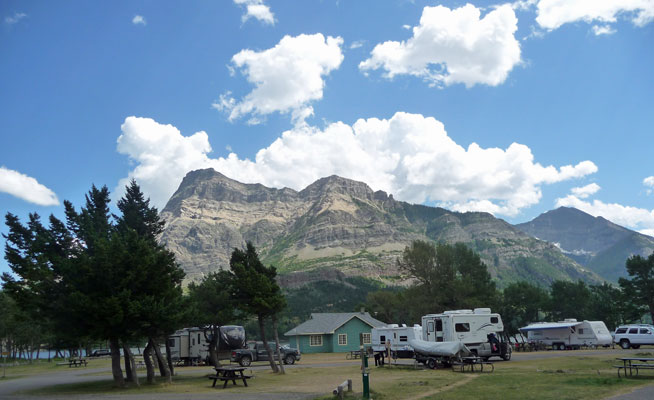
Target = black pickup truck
(256,352)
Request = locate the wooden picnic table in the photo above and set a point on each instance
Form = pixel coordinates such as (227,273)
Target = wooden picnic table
(74,362)
(353,355)
(229,373)
(631,363)
(471,363)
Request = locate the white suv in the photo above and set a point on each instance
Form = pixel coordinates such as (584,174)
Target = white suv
(634,335)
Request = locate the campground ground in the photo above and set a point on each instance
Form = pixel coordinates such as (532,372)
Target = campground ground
(537,375)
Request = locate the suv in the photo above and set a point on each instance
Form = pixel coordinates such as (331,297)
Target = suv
(634,335)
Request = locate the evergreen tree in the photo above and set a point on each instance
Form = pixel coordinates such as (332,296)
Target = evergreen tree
(640,285)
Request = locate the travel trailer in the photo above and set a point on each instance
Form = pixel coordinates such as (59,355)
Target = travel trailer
(474,328)
(568,334)
(398,337)
(191,345)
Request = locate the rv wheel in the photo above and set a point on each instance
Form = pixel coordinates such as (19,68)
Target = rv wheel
(561,347)
(431,363)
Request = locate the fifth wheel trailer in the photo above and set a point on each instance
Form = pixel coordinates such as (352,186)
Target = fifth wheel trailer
(569,334)
(191,345)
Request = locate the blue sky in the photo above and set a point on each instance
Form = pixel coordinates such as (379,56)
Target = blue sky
(511,108)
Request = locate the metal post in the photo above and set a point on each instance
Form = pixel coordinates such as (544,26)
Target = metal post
(364,369)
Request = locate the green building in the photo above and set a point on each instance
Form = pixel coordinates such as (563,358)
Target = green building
(332,332)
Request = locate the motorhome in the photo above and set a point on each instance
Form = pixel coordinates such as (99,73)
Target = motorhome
(568,334)
(191,345)
(474,328)
(397,337)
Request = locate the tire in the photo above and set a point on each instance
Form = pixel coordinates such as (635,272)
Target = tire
(289,359)
(507,355)
(625,344)
(561,346)
(431,363)
(245,361)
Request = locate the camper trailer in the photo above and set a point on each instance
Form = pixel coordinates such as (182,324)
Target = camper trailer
(398,337)
(568,334)
(190,346)
(474,328)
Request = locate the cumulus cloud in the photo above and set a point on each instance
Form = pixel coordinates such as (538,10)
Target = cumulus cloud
(554,13)
(603,30)
(649,182)
(26,188)
(356,44)
(287,77)
(585,191)
(408,155)
(139,20)
(639,219)
(14,19)
(256,9)
(453,46)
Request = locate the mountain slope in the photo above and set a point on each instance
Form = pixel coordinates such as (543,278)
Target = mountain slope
(337,228)
(594,242)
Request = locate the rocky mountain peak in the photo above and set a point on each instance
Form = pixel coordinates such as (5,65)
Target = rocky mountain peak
(336,184)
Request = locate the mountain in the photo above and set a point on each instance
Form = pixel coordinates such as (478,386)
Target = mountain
(337,228)
(594,242)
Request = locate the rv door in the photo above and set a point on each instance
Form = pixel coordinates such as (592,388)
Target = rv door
(439,329)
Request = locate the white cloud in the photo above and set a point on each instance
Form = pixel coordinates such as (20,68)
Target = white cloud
(139,20)
(256,9)
(523,5)
(603,30)
(554,13)
(453,46)
(586,191)
(286,77)
(356,44)
(408,155)
(631,217)
(649,182)
(15,18)
(26,188)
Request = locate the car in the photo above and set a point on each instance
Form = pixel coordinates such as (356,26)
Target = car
(100,353)
(256,352)
(634,336)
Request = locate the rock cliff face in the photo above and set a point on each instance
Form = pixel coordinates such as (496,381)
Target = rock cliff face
(338,227)
(594,242)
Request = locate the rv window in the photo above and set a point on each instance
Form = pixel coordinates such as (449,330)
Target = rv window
(633,330)
(403,338)
(192,341)
(430,326)
(494,320)
(199,338)
(382,339)
(462,327)
(171,342)
(644,331)
(439,325)
(581,331)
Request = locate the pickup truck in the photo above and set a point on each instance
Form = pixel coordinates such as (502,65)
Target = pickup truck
(256,352)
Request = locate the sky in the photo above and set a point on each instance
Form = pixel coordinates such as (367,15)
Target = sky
(509,108)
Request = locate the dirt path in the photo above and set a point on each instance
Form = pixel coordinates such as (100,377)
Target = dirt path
(463,381)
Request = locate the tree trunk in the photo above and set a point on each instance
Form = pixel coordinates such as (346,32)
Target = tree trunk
(130,365)
(115,362)
(265,345)
(169,358)
(213,345)
(147,359)
(279,352)
(163,365)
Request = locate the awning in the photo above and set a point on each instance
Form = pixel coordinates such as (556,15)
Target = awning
(548,326)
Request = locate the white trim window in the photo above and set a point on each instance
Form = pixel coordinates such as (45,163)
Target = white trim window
(315,340)
(366,338)
(342,339)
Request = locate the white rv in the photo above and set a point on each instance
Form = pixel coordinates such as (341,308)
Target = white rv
(568,334)
(471,327)
(398,337)
(190,345)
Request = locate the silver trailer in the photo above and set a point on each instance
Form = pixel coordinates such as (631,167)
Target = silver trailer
(190,346)
(568,334)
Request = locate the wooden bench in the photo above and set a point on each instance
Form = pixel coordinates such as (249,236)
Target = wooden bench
(74,363)
(226,379)
(471,362)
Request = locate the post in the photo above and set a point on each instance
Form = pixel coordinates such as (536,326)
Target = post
(364,369)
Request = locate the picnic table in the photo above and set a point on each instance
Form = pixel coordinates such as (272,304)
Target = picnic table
(353,355)
(229,373)
(74,362)
(471,363)
(631,363)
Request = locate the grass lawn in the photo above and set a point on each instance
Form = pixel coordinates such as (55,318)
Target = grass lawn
(583,377)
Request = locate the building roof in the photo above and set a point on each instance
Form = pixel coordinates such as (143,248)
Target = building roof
(321,323)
